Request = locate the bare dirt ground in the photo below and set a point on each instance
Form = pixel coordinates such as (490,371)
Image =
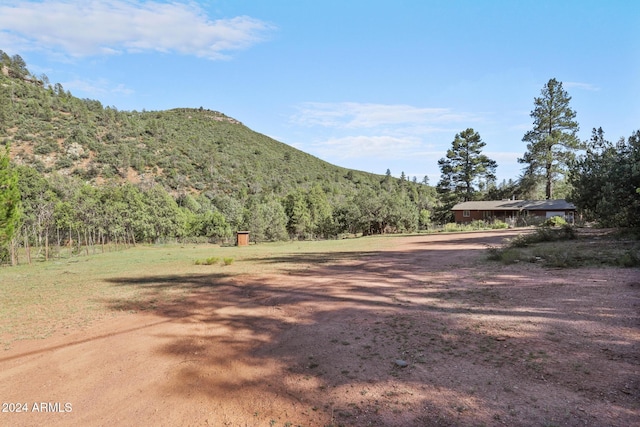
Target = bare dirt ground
(327,344)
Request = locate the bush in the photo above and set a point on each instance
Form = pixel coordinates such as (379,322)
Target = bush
(505,255)
(497,224)
(208,261)
(495,253)
(544,234)
(559,257)
(45,147)
(228,261)
(555,221)
(63,163)
(630,258)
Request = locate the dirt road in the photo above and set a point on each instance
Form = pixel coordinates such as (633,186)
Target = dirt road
(427,333)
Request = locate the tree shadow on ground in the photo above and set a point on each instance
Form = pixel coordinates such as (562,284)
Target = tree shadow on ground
(482,345)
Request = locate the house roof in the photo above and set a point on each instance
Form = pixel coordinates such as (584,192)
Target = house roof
(515,205)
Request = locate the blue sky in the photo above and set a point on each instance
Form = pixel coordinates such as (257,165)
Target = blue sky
(368,85)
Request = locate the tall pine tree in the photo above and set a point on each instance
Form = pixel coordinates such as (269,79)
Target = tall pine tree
(552,142)
(464,166)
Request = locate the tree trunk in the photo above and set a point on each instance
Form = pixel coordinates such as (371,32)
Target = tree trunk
(549,188)
(13,251)
(59,246)
(26,247)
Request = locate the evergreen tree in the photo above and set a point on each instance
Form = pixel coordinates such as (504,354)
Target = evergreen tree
(297,210)
(605,181)
(321,212)
(465,165)
(552,142)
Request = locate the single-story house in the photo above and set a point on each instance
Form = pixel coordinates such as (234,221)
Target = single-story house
(511,210)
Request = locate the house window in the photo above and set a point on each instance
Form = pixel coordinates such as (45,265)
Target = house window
(466,214)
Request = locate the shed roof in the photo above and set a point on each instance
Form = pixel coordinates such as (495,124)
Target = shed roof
(515,205)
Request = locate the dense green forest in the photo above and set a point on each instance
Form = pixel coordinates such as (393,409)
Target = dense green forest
(78,175)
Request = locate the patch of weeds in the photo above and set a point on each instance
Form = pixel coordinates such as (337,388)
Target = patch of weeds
(560,258)
(228,261)
(207,261)
(495,253)
(579,367)
(506,255)
(543,234)
(630,258)
(564,247)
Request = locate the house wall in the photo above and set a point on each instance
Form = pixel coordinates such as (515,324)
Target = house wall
(473,215)
(484,215)
(503,215)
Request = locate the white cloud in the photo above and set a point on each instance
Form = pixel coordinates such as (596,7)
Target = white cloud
(363,115)
(362,146)
(96,88)
(99,27)
(578,85)
(504,156)
(380,131)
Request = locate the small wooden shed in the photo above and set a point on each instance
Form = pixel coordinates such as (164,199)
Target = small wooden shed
(242,238)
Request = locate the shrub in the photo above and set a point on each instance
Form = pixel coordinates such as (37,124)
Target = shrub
(510,256)
(63,163)
(495,253)
(555,221)
(228,261)
(208,261)
(559,257)
(45,147)
(544,234)
(630,258)
(506,255)
(497,224)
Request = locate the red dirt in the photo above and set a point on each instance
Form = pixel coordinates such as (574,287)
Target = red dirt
(484,343)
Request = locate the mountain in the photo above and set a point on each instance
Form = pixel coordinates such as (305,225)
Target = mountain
(185,150)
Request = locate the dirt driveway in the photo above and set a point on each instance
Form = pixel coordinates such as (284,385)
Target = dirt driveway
(424,334)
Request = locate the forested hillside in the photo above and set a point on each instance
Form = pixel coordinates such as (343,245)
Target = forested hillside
(89,174)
